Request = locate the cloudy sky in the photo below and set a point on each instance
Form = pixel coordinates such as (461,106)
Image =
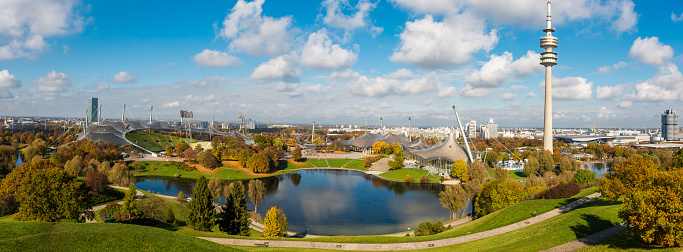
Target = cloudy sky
(343,61)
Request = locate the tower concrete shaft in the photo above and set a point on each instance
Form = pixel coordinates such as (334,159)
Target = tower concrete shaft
(548,59)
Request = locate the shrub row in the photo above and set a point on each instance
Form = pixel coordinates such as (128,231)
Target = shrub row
(183,166)
(428,228)
(562,191)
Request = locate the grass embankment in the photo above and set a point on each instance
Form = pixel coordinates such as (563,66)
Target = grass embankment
(317,162)
(166,169)
(400,175)
(589,218)
(356,164)
(154,142)
(501,218)
(513,175)
(625,241)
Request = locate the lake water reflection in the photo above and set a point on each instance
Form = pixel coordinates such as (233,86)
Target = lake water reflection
(336,202)
(599,167)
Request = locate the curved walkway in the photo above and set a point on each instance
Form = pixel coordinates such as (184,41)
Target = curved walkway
(588,240)
(406,245)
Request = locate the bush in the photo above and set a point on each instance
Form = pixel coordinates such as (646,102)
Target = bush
(183,166)
(424,179)
(368,162)
(583,176)
(408,179)
(112,210)
(153,206)
(428,228)
(170,217)
(8,205)
(208,160)
(562,191)
(181,197)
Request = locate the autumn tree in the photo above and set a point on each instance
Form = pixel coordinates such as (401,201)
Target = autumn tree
(201,210)
(275,224)
(120,175)
(96,182)
(453,198)
(235,218)
(379,147)
(531,167)
(653,199)
(296,153)
(500,173)
(497,194)
(459,170)
(74,166)
(50,195)
(256,192)
(477,171)
(215,187)
(208,160)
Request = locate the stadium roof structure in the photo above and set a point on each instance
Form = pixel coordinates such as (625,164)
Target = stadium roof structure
(450,150)
(368,139)
(584,138)
(115,131)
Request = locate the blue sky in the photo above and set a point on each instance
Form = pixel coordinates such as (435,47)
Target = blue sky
(340,62)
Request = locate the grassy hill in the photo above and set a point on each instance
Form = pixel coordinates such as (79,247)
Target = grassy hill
(153,141)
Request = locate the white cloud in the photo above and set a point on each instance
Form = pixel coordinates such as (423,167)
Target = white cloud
(65,49)
(98,86)
(191,98)
(213,58)
(6,94)
(650,51)
(385,105)
(212,81)
(508,96)
(318,88)
(400,82)
(53,83)
(319,52)
(531,94)
(281,68)
(174,104)
(499,68)
(625,104)
(571,88)
(8,80)
(432,44)
(529,14)
(675,18)
(469,91)
(518,87)
(444,90)
(24,25)
(346,75)
(124,77)
(253,33)
(609,92)
(667,84)
(612,68)
(334,17)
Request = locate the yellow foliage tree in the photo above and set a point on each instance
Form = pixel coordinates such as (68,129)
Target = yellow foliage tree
(275,224)
(460,170)
(378,147)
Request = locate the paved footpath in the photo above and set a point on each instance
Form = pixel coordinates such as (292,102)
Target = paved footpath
(405,245)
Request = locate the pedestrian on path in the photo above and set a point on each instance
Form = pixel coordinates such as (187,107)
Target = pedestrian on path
(534,214)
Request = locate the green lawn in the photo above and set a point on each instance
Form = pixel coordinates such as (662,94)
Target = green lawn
(625,241)
(165,169)
(338,162)
(516,175)
(356,164)
(400,174)
(589,218)
(156,142)
(317,162)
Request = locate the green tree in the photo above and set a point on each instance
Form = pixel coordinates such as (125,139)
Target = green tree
(583,176)
(51,195)
(256,192)
(453,198)
(500,173)
(497,194)
(566,164)
(201,210)
(397,163)
(459,170)
(296,153)
(477,171)
(275,224)
(74,166)
(129,208)
(531,167)
(235,218)
(29,152)
(120,175)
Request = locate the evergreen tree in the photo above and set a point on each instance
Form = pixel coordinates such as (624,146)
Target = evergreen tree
(129,208)
(235,219)
(201,207)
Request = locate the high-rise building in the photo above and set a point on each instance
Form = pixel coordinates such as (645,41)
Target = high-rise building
(92,111)
(489,130)
(471,129)
(670,125)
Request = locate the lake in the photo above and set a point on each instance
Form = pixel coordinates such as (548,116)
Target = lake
(599,168)
(336,202)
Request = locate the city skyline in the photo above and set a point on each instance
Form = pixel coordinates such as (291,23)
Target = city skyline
(339,62)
